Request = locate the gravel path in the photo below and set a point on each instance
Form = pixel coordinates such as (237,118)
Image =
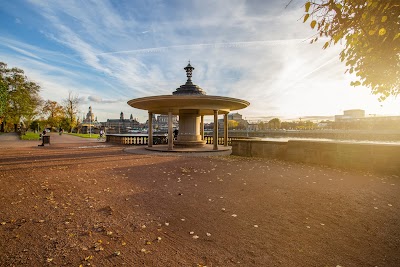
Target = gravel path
(81,202)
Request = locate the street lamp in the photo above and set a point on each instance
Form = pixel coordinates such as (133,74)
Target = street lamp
(90,125)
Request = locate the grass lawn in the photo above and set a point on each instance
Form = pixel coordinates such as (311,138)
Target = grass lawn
(85,135)
(30,136)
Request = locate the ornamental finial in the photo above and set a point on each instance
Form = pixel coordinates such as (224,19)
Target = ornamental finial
(189,69)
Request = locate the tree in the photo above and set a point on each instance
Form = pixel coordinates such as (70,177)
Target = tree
(19,97)
(71,107)
(54,112)
(232,124)
(3,100)
(262,126)
(370,31)
(274,123)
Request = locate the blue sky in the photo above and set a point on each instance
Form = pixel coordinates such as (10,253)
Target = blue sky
(109,52)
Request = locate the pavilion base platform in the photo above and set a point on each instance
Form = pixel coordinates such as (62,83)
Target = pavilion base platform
(189,149)
(189,144)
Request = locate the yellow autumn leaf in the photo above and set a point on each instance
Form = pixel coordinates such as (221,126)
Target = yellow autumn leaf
(90,257)
(382,31)
(307,6)
(356,83)
(371,32)
(306,17)
(313,23)
(364,16)
(384,18)
(372,19)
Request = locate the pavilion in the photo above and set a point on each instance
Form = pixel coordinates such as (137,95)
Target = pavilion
(191,103)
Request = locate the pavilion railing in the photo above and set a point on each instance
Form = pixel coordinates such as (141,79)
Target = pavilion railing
(139,140)
(135,139)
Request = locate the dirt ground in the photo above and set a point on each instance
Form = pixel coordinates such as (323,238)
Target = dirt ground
(96,205)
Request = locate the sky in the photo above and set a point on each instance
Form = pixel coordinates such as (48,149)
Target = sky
(108,52)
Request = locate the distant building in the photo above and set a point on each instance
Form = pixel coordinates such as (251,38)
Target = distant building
(89,123)
(121,125)
(242,124)
(163,119)
(253,127)
(356,119)
(235,116)
(351,114)
(160,122)
(354,113)
(89,116)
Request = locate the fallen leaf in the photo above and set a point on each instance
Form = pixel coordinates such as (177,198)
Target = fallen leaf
(89,257)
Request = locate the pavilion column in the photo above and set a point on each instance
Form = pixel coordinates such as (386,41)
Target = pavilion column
(170,138)
(150,130)
(215,138)
(202,127)
(226,129)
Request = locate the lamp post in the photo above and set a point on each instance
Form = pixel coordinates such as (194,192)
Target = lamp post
(247,128)
(90,125)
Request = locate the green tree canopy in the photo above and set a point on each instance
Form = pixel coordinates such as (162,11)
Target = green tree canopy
(54,112)
(3,99)
(274,123)
(20,99)
(370,31)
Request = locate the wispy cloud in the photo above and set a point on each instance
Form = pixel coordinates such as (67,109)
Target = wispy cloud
(24,52)
(112,51)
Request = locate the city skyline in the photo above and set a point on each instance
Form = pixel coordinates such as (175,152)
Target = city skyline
(110,52)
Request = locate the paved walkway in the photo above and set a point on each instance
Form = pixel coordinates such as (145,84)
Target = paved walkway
(11,140)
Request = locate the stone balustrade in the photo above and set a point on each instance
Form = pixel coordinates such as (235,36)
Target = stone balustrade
(127,139)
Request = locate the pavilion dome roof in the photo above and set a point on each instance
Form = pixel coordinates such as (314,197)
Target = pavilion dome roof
(189,88)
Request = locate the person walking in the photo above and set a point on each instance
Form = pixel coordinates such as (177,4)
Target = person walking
(176,131)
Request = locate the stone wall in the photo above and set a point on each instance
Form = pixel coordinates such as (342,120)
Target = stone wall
(380,158)
(258,148)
